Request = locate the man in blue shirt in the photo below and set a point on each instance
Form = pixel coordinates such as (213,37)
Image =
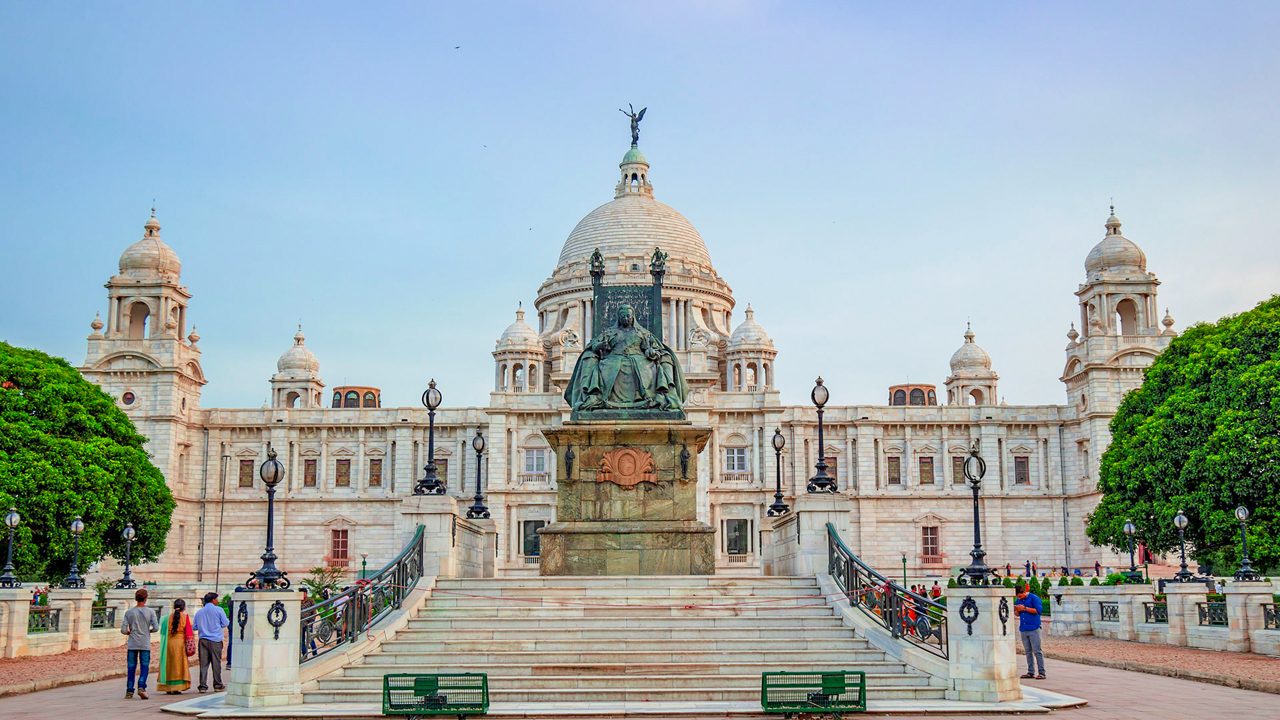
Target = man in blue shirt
(210,621)
(1028,609)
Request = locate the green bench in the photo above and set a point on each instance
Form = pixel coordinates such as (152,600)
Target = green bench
(834,692)
(415,695)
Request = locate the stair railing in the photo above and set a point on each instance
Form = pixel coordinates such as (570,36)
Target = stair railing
(908,617)
(345,617)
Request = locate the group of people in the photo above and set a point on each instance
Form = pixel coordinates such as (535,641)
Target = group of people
(1031,569)
(933,593)
(181,637)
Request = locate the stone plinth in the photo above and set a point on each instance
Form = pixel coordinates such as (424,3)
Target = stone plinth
(78,614)
(982,659)
(1182,599)
(264,662)
(1244,612)
(627,501)
(15,604)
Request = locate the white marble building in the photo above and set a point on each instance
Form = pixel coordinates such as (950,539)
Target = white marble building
(348,467)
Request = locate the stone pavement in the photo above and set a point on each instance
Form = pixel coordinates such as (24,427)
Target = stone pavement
(1113,695)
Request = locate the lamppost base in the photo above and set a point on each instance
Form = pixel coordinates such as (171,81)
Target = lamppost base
(820,484)
(9,582)
(1133,577)
(977,576)
(778,508)
(1247,575)
(477,512)
(73,584)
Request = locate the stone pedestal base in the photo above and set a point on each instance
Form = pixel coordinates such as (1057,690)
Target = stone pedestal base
(264,664)
(982,659)
(626,501)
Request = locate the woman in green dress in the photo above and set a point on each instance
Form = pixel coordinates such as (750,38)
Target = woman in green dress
(176,636)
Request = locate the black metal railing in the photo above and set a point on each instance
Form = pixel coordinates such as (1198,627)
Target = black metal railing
(907,616)
(1109,611)
(1155,612)
(1212,614)
(44,619)
(344,618)
(1270,619)
(102,617)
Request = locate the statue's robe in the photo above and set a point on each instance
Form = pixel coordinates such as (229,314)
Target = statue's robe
(626,368)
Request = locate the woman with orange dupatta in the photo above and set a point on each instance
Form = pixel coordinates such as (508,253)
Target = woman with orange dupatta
(176,638)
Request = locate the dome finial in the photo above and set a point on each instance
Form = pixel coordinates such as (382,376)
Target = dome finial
(1113,222)
(968,332)
(520,310)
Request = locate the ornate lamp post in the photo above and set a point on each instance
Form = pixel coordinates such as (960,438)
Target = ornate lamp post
(904,570)
(1133,575)
(477,509)
(430,484)
(8,579)
(126,581)
(977,573)
(1246,572)
(364,566)
(821,482)
(778,507)
(73,578)
(270,577)
(1180,522)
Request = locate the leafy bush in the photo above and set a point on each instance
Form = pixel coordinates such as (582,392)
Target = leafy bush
(1094,581)
(321,579)
(951,583)
(1064,581)
(1078,581)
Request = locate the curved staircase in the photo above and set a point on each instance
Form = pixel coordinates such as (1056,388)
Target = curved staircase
(624,640)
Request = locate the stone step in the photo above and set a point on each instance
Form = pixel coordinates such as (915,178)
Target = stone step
(520,624)
(568,599)
(708,693)
(617,633)
(632,581)
(694,666)
(609,591)
(506,643)
(432,611)
(619,656)
(581,682)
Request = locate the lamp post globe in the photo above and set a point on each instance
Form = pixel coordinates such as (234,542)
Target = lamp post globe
(821,482)
(7,578)
(1180,522)
(977,573)
(430,483)
(1246,572)
(126,581)
(478,509)
(74,581)
(778,507)
(270,577)
(1132,575)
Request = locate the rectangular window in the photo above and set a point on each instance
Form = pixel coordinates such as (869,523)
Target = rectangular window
(931,543)
(530,541)
(535,461)
(895,470)
(442,471)
(737,537)
(735,460)
(309,472)
(342,476)
(338,545)
(1021,470)
(375,472)
(926,471)
(246,473)
(831,467)
(957,469)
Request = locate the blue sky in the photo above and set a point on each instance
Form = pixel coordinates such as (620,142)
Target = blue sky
(399,176)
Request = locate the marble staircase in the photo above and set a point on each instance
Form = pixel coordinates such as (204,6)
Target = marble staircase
(624,640)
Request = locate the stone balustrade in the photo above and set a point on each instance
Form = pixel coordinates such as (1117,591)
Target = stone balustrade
(65,623)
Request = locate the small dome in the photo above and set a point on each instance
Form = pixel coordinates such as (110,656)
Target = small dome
(1115,253)
(298,360)
(970,357)
(634,156)
(749,334)
(519,336)
(150,254)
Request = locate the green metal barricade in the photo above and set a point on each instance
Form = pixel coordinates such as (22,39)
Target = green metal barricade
(459,694)
(837,691)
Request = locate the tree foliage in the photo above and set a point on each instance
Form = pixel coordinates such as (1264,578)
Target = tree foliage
(67,450)
(1201,435)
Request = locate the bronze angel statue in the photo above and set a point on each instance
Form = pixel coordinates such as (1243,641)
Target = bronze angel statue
(636,117)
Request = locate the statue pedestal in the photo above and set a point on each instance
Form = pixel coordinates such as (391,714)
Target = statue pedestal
(627,500)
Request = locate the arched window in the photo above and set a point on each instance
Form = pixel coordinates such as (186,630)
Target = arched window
(752,376)
(138,315)
(899,397)
(1127,317)
(917,396)
(517,378)
(975,397)
(933,398)
(370,400)
(736,381)
(291,400)
(533,377)
(352,399)
(337,399)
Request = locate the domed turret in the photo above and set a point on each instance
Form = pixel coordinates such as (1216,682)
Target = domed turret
(519,358)
(749,357)
(150,255)
(972,380)
(749,334)
(1116,253)
(518,335)
(970,357)
(297,380)
(298,360)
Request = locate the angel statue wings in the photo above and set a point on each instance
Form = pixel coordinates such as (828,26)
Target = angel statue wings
(636,117)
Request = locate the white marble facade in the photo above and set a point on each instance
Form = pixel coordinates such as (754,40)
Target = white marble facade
(348,468)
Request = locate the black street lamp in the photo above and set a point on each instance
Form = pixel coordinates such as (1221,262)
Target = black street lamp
(778,507)
(8,579)
(1133,575)
(430,484)
(74,581)
(126,581)
(270,577)
(477,509)
(1183,575)
(821,482)
(977,573)
(1246,573)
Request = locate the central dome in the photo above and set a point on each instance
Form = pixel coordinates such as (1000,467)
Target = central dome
(634,225)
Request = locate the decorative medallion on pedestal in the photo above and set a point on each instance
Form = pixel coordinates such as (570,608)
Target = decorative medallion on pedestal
(626,467)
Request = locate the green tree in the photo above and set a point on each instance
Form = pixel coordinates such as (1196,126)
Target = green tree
(1201,435)
(67,450)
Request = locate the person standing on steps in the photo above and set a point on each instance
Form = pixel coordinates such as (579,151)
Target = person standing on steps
(138,623)
(1028,608)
